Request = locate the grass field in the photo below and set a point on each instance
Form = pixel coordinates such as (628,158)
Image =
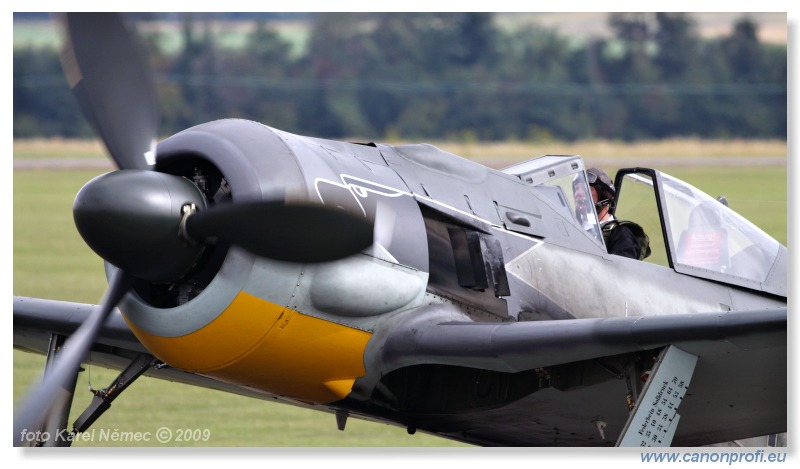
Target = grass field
(51,261)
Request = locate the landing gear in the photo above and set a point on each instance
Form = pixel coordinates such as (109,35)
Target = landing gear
(57,420)
(54,430)
(103,398)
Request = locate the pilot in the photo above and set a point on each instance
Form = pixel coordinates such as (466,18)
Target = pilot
(583,204)
(622,238)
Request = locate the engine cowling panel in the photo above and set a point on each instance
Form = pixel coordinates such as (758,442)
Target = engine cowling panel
(289,329)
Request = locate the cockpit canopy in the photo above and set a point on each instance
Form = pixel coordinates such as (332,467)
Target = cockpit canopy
(707,238)
(689,231)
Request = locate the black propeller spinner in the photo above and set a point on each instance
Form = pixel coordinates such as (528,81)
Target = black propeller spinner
(152,225)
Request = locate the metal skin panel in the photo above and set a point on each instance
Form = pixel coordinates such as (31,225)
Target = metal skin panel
(615,286)
(264,346)
(338,287)
(223,341)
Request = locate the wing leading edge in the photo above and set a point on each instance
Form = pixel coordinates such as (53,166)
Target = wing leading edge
(512,347)
(36,319)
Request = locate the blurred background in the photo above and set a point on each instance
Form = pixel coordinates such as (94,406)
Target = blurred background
(702,95)
(453,76)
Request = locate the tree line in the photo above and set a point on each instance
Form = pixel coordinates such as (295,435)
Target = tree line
(448,75)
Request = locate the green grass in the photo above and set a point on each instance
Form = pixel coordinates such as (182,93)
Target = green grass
(56,148)
(51,261)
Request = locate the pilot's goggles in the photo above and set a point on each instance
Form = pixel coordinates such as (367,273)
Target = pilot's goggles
(596,181)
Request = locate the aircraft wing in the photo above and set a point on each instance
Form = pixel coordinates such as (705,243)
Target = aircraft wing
(555,383)
(35,320)
(545,383)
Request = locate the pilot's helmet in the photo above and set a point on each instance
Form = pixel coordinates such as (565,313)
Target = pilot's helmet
(601,181)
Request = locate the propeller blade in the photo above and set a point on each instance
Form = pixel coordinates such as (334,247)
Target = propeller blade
(293,233)
(114,86)
(68,362)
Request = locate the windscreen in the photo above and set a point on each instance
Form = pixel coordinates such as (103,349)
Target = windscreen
(575,199)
